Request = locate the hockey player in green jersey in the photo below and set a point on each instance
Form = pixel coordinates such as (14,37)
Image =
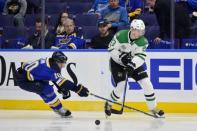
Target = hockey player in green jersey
(127,50)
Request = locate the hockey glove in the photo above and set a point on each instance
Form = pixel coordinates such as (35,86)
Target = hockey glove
(82,91)
(125,58)
(65,93)
(126,61)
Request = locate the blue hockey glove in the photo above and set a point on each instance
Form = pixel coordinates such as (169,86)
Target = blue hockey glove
(65,93)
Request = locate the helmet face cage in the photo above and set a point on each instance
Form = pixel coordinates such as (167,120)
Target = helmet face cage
(59,57)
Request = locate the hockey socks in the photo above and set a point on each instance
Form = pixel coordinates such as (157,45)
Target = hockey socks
(148,93)
(114,96)
(118,91)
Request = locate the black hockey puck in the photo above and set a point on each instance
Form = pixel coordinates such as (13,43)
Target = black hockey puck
(97,122)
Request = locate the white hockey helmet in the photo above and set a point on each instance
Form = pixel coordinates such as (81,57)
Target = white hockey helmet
(137,24)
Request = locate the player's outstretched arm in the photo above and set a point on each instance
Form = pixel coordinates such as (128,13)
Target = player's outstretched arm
(65,85)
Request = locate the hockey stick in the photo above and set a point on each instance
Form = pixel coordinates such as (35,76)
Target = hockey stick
(124,96)
(125,106)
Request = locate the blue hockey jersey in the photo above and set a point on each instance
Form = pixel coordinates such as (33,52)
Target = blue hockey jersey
(69,42)
(41,70)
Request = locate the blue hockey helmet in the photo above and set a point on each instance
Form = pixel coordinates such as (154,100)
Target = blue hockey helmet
(59,57)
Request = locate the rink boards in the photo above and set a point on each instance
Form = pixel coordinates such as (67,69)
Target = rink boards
(173,74)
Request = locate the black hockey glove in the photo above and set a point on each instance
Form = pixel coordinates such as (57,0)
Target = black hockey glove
(65,93)
(126,60)
(82,91)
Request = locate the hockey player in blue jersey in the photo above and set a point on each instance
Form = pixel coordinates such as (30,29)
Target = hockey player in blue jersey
(34,77)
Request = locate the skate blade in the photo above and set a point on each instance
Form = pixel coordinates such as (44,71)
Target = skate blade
(67,117)
(160,117)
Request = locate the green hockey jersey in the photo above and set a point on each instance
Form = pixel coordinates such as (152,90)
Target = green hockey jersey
(121,43)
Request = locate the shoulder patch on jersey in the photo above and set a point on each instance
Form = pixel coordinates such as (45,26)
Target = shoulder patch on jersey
(142,41)
(122,36)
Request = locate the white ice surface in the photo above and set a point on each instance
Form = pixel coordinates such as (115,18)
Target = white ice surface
(19,120)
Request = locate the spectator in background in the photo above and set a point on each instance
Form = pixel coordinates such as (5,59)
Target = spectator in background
(59,29)
(114,14)
(135,8)
(70,28)
(102,40)
(18,9)
(70,39)
(101,4)
(162,9)
(34,41)
(97,6)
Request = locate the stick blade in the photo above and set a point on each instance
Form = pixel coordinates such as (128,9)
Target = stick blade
(116,111)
